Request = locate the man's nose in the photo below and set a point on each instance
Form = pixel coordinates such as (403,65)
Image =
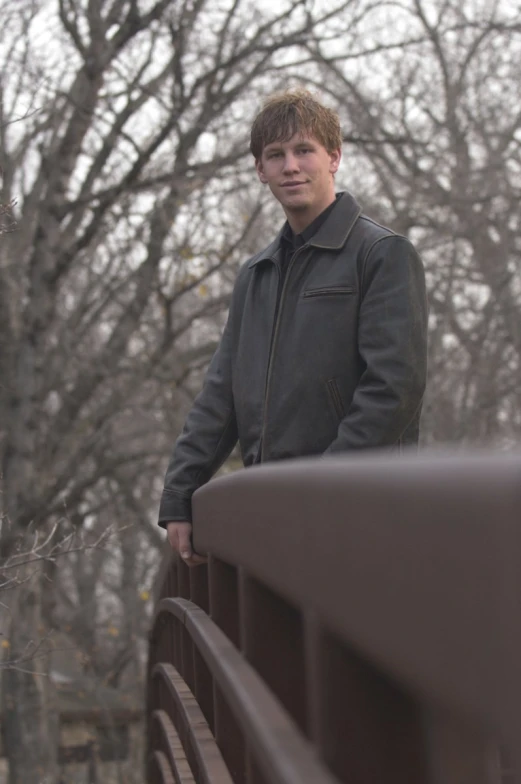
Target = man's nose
(290,163)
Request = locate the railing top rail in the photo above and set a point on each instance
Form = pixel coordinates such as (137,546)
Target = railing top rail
(415,561)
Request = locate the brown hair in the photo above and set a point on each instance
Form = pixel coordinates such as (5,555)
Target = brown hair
(290,112)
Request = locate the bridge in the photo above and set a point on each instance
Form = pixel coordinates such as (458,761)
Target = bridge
(359,621)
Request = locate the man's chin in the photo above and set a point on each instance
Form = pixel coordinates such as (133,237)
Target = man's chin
(294,201)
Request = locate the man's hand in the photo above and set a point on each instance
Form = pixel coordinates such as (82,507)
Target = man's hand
(179,536)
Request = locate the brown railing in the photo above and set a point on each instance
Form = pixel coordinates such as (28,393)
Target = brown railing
(359,621)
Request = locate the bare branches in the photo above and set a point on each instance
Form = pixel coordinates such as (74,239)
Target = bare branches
(49,546)
(7,221)
(21,572)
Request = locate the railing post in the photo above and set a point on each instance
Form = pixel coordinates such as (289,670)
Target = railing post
(224,598)
(186,662)
(224,611)
(203,683)
(369,730)
(272,639)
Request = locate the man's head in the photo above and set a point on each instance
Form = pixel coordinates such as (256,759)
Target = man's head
(296,143)
(286,114)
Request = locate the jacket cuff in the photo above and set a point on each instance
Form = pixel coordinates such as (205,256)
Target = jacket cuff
(174,508)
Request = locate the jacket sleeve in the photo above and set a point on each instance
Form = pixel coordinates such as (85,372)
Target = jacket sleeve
(208,437)
(392,343)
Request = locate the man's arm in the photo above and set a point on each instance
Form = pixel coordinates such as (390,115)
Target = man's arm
(208,437)
(392,341)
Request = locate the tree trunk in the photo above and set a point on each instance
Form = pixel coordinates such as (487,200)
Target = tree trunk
(30,717)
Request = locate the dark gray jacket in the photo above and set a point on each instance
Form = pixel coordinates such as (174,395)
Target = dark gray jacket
(340,366)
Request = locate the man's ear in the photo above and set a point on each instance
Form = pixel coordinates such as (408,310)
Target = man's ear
(334,160)
(260,172)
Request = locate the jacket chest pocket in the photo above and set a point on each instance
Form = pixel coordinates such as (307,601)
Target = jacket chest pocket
(328,291)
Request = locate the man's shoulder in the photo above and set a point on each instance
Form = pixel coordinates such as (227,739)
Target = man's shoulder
(372,230)
(266,254)
(373,234)
(247,268)
(252,260)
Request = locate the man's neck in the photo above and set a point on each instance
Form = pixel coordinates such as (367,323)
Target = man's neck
(299,220)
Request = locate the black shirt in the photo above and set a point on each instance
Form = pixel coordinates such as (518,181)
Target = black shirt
(292,242)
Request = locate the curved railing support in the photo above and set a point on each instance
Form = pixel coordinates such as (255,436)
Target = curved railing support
(282,754)
(160,768)
(174,752)
(210,764)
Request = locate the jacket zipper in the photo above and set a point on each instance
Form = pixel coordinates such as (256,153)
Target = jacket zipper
(273,347)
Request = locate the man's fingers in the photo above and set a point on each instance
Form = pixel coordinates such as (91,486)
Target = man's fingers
(179,537)
(172,537)
(184,546)
(195,560)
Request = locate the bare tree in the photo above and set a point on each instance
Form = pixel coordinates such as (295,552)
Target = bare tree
(119,139)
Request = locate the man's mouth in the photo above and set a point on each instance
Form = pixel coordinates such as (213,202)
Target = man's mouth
(292,184)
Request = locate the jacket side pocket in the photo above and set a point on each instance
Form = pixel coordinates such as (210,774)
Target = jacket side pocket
(336,397)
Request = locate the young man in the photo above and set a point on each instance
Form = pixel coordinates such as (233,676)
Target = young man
(325,346)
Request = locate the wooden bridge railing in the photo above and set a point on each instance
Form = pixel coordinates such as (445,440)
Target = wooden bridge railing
(359,621)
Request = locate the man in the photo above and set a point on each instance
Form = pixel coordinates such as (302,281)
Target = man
(324,350)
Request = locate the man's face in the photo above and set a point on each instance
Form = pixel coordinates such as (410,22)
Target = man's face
(299,173)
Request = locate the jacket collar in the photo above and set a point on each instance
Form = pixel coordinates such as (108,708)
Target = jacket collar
(272,253)
(332,235)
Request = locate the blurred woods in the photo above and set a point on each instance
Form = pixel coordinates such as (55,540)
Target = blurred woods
(123,141)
